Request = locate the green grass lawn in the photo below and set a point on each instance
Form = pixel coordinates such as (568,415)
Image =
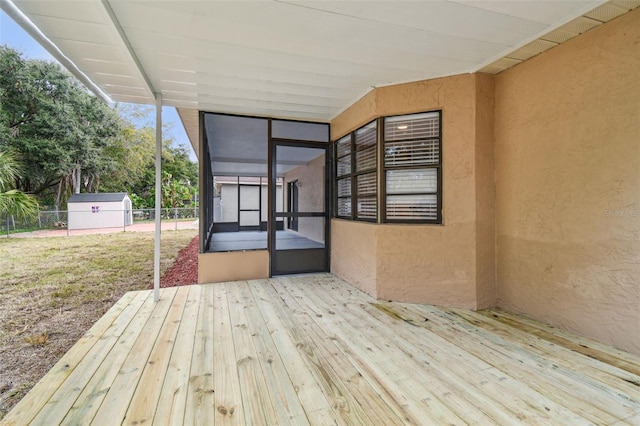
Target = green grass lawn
(53,289)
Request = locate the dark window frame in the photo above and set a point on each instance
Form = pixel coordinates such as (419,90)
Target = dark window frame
(437,166)
(346,177)
(372,170)
(354,197)
(380,172)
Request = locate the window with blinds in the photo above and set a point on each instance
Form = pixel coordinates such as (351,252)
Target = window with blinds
(366,153)
(343,177)
(410,175)
(412,168)
(356,174)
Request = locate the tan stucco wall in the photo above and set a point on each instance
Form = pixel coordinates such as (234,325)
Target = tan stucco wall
(353,253)
(357,115)
(310,196)
(232,266)
(486,286)
(567,128)
(433,263)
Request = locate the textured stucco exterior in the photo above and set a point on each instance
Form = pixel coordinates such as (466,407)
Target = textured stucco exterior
(353,253)
(433,263)
(567,137)
(310,196)
(541,196)
(486,284)
(233,266)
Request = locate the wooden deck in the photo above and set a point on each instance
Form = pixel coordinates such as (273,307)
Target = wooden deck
(314,350)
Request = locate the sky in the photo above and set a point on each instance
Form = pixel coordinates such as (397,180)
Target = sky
(12,35)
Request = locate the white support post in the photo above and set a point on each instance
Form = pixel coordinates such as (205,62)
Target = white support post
(158,201)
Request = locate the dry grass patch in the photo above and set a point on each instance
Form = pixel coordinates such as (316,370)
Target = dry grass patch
(53,289)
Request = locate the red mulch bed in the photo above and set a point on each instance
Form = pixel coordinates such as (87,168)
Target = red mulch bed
(184,270)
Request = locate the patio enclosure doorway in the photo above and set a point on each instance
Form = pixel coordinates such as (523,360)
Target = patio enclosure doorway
(302,248)
(265,195)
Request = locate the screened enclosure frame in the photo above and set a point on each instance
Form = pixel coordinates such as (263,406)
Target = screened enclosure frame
(276,132)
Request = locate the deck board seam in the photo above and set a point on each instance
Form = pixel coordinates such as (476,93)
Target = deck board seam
(112,347)
(149,368)
(133,387)
(21,413)
(435,378)
(438,412)
(356,365)
(508,363)
(279,363)
(170,356)
(322,404)
(329,370)
(325,353)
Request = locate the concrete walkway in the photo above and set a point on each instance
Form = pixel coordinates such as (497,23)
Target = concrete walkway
(168,225)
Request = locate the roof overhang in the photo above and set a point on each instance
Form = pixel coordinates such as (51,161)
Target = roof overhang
(294,59)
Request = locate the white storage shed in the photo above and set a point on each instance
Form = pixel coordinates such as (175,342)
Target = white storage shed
(101,210)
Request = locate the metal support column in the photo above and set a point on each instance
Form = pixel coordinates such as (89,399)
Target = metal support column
(158,202)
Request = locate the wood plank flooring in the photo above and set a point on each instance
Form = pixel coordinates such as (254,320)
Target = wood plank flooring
(313,350)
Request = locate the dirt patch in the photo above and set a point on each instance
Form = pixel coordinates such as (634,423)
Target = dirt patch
(184,270)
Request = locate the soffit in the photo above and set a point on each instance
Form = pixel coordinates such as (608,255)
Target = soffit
(574,27)
(305,60)
(295,59)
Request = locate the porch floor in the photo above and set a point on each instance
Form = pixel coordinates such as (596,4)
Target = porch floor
(257,240)
(315,350)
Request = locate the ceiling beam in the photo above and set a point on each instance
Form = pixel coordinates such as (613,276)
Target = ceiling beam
(127,43)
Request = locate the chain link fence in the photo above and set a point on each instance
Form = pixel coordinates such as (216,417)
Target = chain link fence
(95,218)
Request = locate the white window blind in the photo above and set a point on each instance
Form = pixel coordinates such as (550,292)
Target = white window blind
(414,126)
(366,141)
(344,146)
(344,206)
(344,166)
(367,208)
(343,173)
(344,187)
(412,153)
(365,173)
(412,181)
(412,163)
(366,184)
(402,207)
(343,151)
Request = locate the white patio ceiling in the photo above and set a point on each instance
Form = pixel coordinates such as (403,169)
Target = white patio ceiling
(294,59)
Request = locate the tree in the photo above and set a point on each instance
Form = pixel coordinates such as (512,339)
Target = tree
(174,192)
(59,129)
(70,141)
(176,161)
(133,151)
(14,202)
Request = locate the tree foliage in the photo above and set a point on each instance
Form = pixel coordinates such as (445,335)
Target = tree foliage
(14,202)
(134,149)
(59,129)
(68,140)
